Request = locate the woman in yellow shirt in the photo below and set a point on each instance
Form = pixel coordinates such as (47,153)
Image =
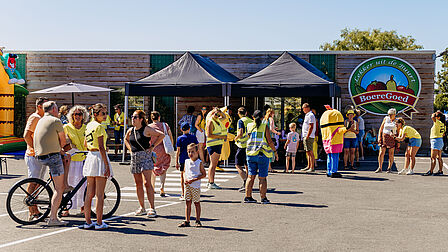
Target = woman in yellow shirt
(96,167)
(415,141)
(350,139)
(437,132)
(75,132)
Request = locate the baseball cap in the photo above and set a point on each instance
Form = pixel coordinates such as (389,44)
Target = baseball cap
(185,126)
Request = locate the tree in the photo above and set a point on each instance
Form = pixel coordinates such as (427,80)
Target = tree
(441,101)
(371,40)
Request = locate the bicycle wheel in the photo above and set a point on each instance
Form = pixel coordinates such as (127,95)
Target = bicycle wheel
(19,201)
(112,196)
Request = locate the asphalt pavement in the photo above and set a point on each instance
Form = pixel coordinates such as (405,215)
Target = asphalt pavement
(363,211)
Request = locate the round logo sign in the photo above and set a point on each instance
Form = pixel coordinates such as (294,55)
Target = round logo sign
(385,82)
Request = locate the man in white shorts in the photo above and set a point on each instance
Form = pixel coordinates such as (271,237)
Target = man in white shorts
(35,169)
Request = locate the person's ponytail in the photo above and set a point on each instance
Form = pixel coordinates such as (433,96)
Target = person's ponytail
(258,117)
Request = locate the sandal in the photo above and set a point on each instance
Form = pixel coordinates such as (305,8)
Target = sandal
(184,224)
(65,214)
(345,167)
(198,224)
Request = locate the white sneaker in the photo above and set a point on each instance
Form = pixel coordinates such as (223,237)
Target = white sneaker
(410,172)
(102,226)
(402,172)
(141,211)
(182,198)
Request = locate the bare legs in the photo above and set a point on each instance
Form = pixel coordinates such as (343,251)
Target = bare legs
(95,186)
(436,155)
(144,178)
(57,196)
(381,159)
(263,184)
(214,159)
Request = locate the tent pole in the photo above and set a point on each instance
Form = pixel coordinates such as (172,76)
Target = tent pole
(126,111)
(175,117)
(282,115)
(153,103)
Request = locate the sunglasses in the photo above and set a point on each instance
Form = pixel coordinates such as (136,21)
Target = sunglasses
(135,117)
(77,114)
(204,109)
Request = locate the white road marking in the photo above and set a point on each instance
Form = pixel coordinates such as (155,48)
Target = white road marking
(3,215)
(216,176)
(71,228)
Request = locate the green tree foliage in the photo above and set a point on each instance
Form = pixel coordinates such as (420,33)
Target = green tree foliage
(371,40)
(441,101)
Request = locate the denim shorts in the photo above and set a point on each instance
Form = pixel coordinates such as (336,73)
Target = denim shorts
(415,142)
(360,136)
(437,143)
(350,143)
(258,165)
(54,163)
(214,149)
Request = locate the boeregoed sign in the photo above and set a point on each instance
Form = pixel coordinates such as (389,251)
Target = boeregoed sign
(385,82)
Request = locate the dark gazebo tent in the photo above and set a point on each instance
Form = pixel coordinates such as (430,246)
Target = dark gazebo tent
(190,75)
(288,76)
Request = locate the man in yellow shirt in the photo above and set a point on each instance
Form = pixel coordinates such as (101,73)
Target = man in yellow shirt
(119,127)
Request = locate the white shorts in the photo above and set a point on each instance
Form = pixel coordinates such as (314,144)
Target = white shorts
(200,136)
(94,165)
(35,168)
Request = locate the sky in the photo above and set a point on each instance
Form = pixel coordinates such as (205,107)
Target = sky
(212,25)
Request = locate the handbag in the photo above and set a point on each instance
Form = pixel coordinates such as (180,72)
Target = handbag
(153,154)
(167,144)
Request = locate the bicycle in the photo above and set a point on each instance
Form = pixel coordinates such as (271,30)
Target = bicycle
(18,203)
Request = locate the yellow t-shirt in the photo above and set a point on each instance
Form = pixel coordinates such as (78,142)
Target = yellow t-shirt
(77,137)
(350,134)
(437,129)
(410,132)
(119,120)
(93,131)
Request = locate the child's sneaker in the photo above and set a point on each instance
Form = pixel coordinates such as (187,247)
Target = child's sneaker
(265,201)
(101,227)
(198,224)
(249,200)
(184,224)
(410,172)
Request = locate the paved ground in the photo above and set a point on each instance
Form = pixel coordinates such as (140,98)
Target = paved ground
(363,211)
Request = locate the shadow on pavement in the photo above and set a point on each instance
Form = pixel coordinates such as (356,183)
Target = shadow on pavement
(227,228)
(177,217)
(222,201)
(10,176)
(298,205)
(352,177)
(134,231)
(273,190)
